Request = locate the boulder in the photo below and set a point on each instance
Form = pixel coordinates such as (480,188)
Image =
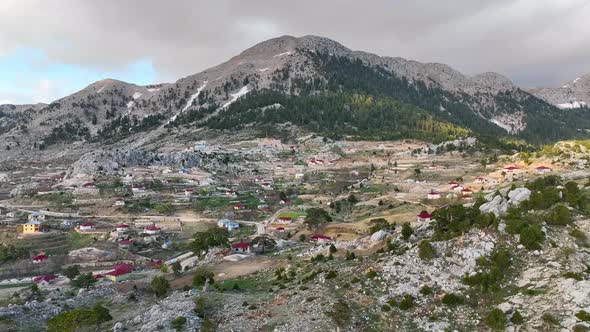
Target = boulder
(379,236)
(518,196)
(498,206)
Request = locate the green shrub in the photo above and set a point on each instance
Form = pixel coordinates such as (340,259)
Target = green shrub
(201,276)
(178,323)
(583,316)
(452,299)
(493,269)
(496,320)
(550,319)
(559,215)
(426,291)
(74,320)
(385,308)
(331,274)
(426,251)
(333,249)
(580,328)
(516,318)
(371,274)
(531,237)
(407,231)
(578,276)
(407,302)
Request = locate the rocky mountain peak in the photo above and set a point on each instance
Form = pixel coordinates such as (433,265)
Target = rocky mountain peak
(569,95)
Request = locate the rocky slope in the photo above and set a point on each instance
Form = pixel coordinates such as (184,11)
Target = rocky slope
(571,94)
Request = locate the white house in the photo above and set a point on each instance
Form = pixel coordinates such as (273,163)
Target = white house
(457,188)
(228,224)
(480,180)
(119,202)
(241,247)
(433,195)
(138,189)
(152,230)
(188,192)
(122,228)
(87,227)
(37,216)
(424,216)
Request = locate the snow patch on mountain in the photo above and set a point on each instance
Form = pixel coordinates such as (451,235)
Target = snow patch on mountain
(193,97)
(130,104)
(281,54)
(571,105)
(136,95)
(244,90)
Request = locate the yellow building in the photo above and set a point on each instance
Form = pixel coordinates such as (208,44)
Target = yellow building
(30,227)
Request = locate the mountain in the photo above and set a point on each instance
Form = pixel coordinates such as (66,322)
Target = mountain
(570,95)
(311,83)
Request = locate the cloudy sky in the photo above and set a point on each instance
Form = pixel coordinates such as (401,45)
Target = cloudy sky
(49,49)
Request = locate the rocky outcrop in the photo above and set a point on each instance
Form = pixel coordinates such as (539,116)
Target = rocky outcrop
(498,205)
(114,162)
(159,316)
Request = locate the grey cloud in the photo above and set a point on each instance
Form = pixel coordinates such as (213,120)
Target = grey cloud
(534,42)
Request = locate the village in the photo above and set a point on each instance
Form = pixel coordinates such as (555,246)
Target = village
(297,200)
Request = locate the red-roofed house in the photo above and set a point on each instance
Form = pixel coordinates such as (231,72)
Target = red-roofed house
(122,228)
(467,197)
(89,185)
(152,230)
(543,169)
(120,272)
(45,279)
(188,192)
(87,227)
(241,247)
(320,238)
(125,244)
(40,259)
(119,202)
(511,168)
(239,207)
(433,195)
(466,191)
(424,216)
(280,229)
(285,220)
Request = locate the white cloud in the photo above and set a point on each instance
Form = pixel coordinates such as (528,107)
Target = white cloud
(531,41)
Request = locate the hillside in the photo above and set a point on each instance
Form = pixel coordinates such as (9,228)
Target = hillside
(570,95)
(311,83)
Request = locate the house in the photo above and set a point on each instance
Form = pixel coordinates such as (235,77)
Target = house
(299,175)
(466,191)
(266,185)
(40,259)
(239,207)
(480,180)
(231,193)
(45,279)
(188,192)
(87,227)
(137,189)
(241,247)
(125,244)
(152,230)
(259,179)
(457,187)
(36,216)
(452,184)
(263,207)
(183,171)
(433,195)
(120,272)
(420,181)
(467,197)
(285,220)
(354,173)
(285,201)
(320,238)
(122,228)
(543,169)
(280,229)
(424,216)
(228,224)
(31,227)
(511,168)
(119,202)
(89,185)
